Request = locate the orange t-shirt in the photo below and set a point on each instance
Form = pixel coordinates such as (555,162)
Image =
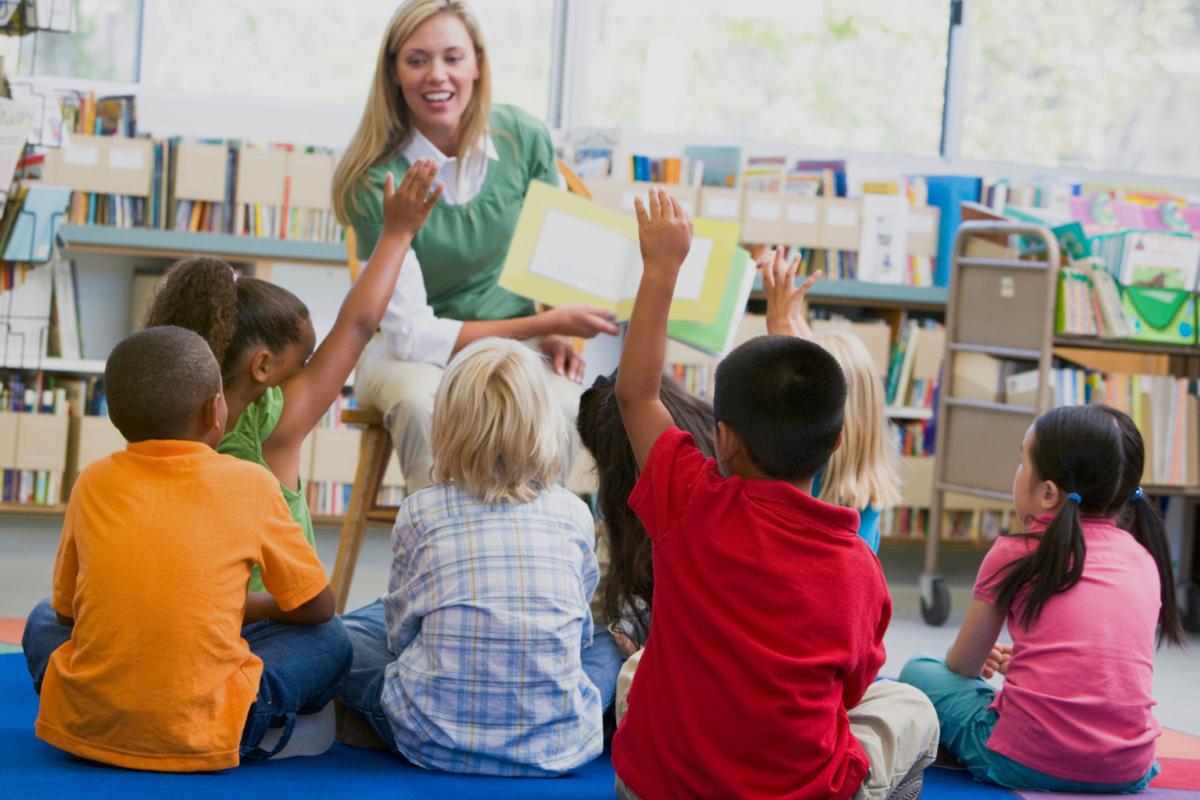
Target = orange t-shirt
(155,554)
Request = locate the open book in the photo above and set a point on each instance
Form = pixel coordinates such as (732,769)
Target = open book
(568,250)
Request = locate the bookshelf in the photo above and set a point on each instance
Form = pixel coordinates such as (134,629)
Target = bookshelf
(873,295)
(1006,307)
(152,242)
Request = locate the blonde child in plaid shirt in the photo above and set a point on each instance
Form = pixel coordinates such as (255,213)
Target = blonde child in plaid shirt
(482,657)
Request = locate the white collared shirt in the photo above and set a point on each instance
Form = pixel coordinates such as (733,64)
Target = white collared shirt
(413,332)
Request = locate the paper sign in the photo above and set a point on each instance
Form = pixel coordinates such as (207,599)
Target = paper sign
(840,217)
(721,207)
(920,223)
(765,209)
(801,214)
(81,155)
(125,158)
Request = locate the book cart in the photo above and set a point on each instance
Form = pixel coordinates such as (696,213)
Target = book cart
(1005,307)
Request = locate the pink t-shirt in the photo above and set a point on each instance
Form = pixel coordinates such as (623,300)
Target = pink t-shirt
(1076,702)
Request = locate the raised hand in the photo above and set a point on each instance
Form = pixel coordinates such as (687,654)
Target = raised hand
(786,312)
(664,232)
(406,208)
(582,321)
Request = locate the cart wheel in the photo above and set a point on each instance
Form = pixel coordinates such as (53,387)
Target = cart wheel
(1191,616)
(935,600)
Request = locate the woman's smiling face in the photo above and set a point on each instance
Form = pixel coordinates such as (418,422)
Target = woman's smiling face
(436,70)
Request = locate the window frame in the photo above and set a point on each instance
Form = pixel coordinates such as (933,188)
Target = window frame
(569,75)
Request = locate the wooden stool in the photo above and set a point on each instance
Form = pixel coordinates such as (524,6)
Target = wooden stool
(373,457)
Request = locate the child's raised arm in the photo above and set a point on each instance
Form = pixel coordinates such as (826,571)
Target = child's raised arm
(309,393)
(786,311)
(665,233)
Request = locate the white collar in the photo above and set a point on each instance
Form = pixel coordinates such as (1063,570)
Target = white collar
(420,147)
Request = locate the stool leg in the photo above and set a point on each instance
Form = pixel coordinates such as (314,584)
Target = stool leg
(367,478)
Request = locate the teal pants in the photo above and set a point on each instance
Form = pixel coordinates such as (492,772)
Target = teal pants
(967,724)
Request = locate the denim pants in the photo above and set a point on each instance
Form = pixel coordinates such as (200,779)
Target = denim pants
(363,692)
(967,724)
(304,667)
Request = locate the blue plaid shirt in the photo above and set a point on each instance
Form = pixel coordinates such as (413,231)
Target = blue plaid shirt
(487,611)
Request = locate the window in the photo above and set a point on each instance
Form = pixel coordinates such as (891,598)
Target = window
(324,52)
(861,74)
(1112,84)
(103,45)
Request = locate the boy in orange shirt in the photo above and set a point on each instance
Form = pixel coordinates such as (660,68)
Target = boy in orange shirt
(140,653)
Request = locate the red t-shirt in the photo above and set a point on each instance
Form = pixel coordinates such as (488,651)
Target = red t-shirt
(769,614)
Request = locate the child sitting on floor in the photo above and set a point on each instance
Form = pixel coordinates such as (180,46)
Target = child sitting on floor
(474,661)
(863,472)
(1082,593)
(277,386)
(769,611)
(140,653)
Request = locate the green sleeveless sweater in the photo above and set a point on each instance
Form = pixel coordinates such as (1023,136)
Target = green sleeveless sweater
(462,248)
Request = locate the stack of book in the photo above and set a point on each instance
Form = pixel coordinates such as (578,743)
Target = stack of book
(33,438)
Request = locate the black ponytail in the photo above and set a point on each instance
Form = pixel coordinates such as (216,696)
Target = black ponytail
(1144,522)
(1076,448)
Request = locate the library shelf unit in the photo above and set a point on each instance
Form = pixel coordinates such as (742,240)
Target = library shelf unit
(1005,307)
(168,244)
(107,260)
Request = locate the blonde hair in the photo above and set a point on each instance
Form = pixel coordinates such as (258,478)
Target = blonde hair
(385,126)
(864,471)
(498,432)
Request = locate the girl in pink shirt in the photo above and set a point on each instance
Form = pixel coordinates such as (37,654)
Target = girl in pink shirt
(1086,592)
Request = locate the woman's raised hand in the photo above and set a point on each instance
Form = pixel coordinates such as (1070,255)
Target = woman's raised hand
(406,208)
(582,321)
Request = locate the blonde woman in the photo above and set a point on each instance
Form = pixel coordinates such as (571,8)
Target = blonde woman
(863,472)
(431,98)
(475,660)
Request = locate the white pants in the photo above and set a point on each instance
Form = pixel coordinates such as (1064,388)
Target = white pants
(895,724)
(403,392)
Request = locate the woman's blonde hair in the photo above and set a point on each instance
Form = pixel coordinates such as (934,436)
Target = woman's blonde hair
(864,471)
(498,432)
(385,126)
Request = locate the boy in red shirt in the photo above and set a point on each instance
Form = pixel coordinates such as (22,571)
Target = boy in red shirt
(769,610)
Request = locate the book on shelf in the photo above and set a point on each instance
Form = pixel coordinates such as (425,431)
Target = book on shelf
(123,178)
(1165,409)
(33,438)
(915,364)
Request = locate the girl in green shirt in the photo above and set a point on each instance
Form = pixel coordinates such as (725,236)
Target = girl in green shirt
(276,385)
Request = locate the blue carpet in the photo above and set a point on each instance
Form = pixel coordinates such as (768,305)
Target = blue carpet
(30,768)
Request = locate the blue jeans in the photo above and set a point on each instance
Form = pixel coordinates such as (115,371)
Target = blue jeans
(304,667)
(967,724)
(363,692)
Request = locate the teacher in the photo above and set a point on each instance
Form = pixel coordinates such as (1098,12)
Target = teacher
(431,98)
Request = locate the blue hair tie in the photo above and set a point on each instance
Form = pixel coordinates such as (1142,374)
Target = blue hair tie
(1074,498)
(1138,495)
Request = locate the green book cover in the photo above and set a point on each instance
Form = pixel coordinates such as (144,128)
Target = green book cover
(717,337)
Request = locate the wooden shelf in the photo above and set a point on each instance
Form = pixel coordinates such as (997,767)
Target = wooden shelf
(1149,348)
(23,510)
(72,366)
(909,413)
(879,295)
(173,244)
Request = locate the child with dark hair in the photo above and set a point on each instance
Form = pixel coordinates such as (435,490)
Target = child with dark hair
(769,610)
(277,386)
(149,654)
(629,582)
(1083,592)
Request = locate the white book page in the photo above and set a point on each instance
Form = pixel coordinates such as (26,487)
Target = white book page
(584,256)
(690,282)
